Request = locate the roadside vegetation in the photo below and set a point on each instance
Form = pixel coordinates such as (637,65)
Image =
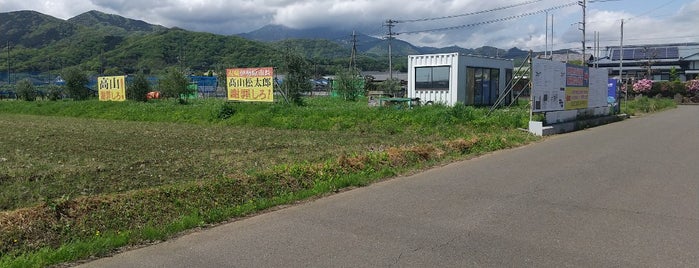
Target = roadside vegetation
(644,105)
(81,178)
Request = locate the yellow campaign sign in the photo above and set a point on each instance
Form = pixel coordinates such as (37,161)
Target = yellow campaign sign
(576,97)
(250,84)
(112,88)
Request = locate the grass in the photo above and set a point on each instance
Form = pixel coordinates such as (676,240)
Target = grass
(644,105)
(80,179)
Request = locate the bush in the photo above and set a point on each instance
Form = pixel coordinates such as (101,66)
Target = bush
(227,110)
(55,92)
(26,90)
(391,86)
(692,86)
(643,86)
(667,88)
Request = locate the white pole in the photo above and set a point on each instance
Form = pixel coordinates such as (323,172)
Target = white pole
(552,35)
(546,50)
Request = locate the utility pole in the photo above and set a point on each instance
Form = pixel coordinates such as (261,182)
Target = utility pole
(390,23)
(583,3)
(8,62)
(621,62)
(353,56)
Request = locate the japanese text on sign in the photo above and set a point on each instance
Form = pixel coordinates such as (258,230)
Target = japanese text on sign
(577,76)
(250,84)
(111,88)
(576,98)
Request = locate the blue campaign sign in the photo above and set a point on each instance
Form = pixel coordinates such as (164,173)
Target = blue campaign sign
(611,90)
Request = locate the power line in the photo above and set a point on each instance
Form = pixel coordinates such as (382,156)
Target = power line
(490,21)
(652,10)
(468,14)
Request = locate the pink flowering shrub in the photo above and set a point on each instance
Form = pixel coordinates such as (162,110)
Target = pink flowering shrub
(643,86)
(692,86)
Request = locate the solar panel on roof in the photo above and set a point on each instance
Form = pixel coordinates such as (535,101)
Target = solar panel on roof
(641,53)
(615,54)
(659,53)
(673,53)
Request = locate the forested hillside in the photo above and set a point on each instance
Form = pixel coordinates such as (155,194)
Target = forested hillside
(97,42)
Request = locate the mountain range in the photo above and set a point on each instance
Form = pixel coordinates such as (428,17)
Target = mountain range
(99,42)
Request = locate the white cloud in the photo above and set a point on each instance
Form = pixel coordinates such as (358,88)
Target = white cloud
(368,16)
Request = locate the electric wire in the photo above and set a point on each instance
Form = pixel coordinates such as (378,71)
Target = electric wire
(468,14)
(489,21)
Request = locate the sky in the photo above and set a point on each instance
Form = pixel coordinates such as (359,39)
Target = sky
(472,23)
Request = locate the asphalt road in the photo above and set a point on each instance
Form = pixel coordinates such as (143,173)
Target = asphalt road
(620,195)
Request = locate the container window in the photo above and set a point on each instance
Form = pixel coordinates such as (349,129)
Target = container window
(432,78)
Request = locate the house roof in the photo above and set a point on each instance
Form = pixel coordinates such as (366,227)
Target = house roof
(692,57)
(656,52)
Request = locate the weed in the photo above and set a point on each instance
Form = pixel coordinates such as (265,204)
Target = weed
(87,172)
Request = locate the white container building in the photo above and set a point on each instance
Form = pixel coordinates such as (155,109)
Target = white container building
(452,78)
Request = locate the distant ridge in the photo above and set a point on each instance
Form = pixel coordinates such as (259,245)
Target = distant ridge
(93,18)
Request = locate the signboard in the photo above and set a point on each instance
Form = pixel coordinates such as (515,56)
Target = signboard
(576,98)
(250,84)
(577,87)
(557,86)
(611,90)
(598,88)
(548,85)
(111,88)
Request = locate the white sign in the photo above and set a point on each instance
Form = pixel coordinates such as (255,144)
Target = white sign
(557,86)
(548,85)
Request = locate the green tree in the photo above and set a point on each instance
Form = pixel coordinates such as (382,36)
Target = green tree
(139,88)
(76,83)
(174,85)
(674,76)
(348,84)
(26,90)
(113,71)
(297,79)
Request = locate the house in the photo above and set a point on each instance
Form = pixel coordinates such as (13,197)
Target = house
(655,62)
